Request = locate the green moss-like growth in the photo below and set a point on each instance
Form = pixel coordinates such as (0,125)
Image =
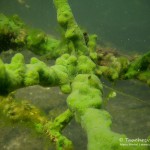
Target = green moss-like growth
(92,47)
(12,32)
(97,124)
(15,35)
(69,62)
(3,83)
(112,67)
(140,64)
(86,93)
(40,43)
(26,114)
(140,68)
(13,73)
(18,74)
(71,31)
(144,76)
(85,65)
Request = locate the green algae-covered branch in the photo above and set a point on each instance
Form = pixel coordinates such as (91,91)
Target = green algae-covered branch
(77,71)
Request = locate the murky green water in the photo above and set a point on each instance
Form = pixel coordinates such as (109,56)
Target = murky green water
(122,23)
(118,23)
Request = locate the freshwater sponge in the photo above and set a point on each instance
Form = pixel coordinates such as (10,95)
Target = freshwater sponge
(15,71)
(85,65)
(69,62)
(2,76)
(86,93)
(97,125)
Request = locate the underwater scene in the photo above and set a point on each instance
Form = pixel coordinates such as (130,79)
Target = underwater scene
(74,75)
